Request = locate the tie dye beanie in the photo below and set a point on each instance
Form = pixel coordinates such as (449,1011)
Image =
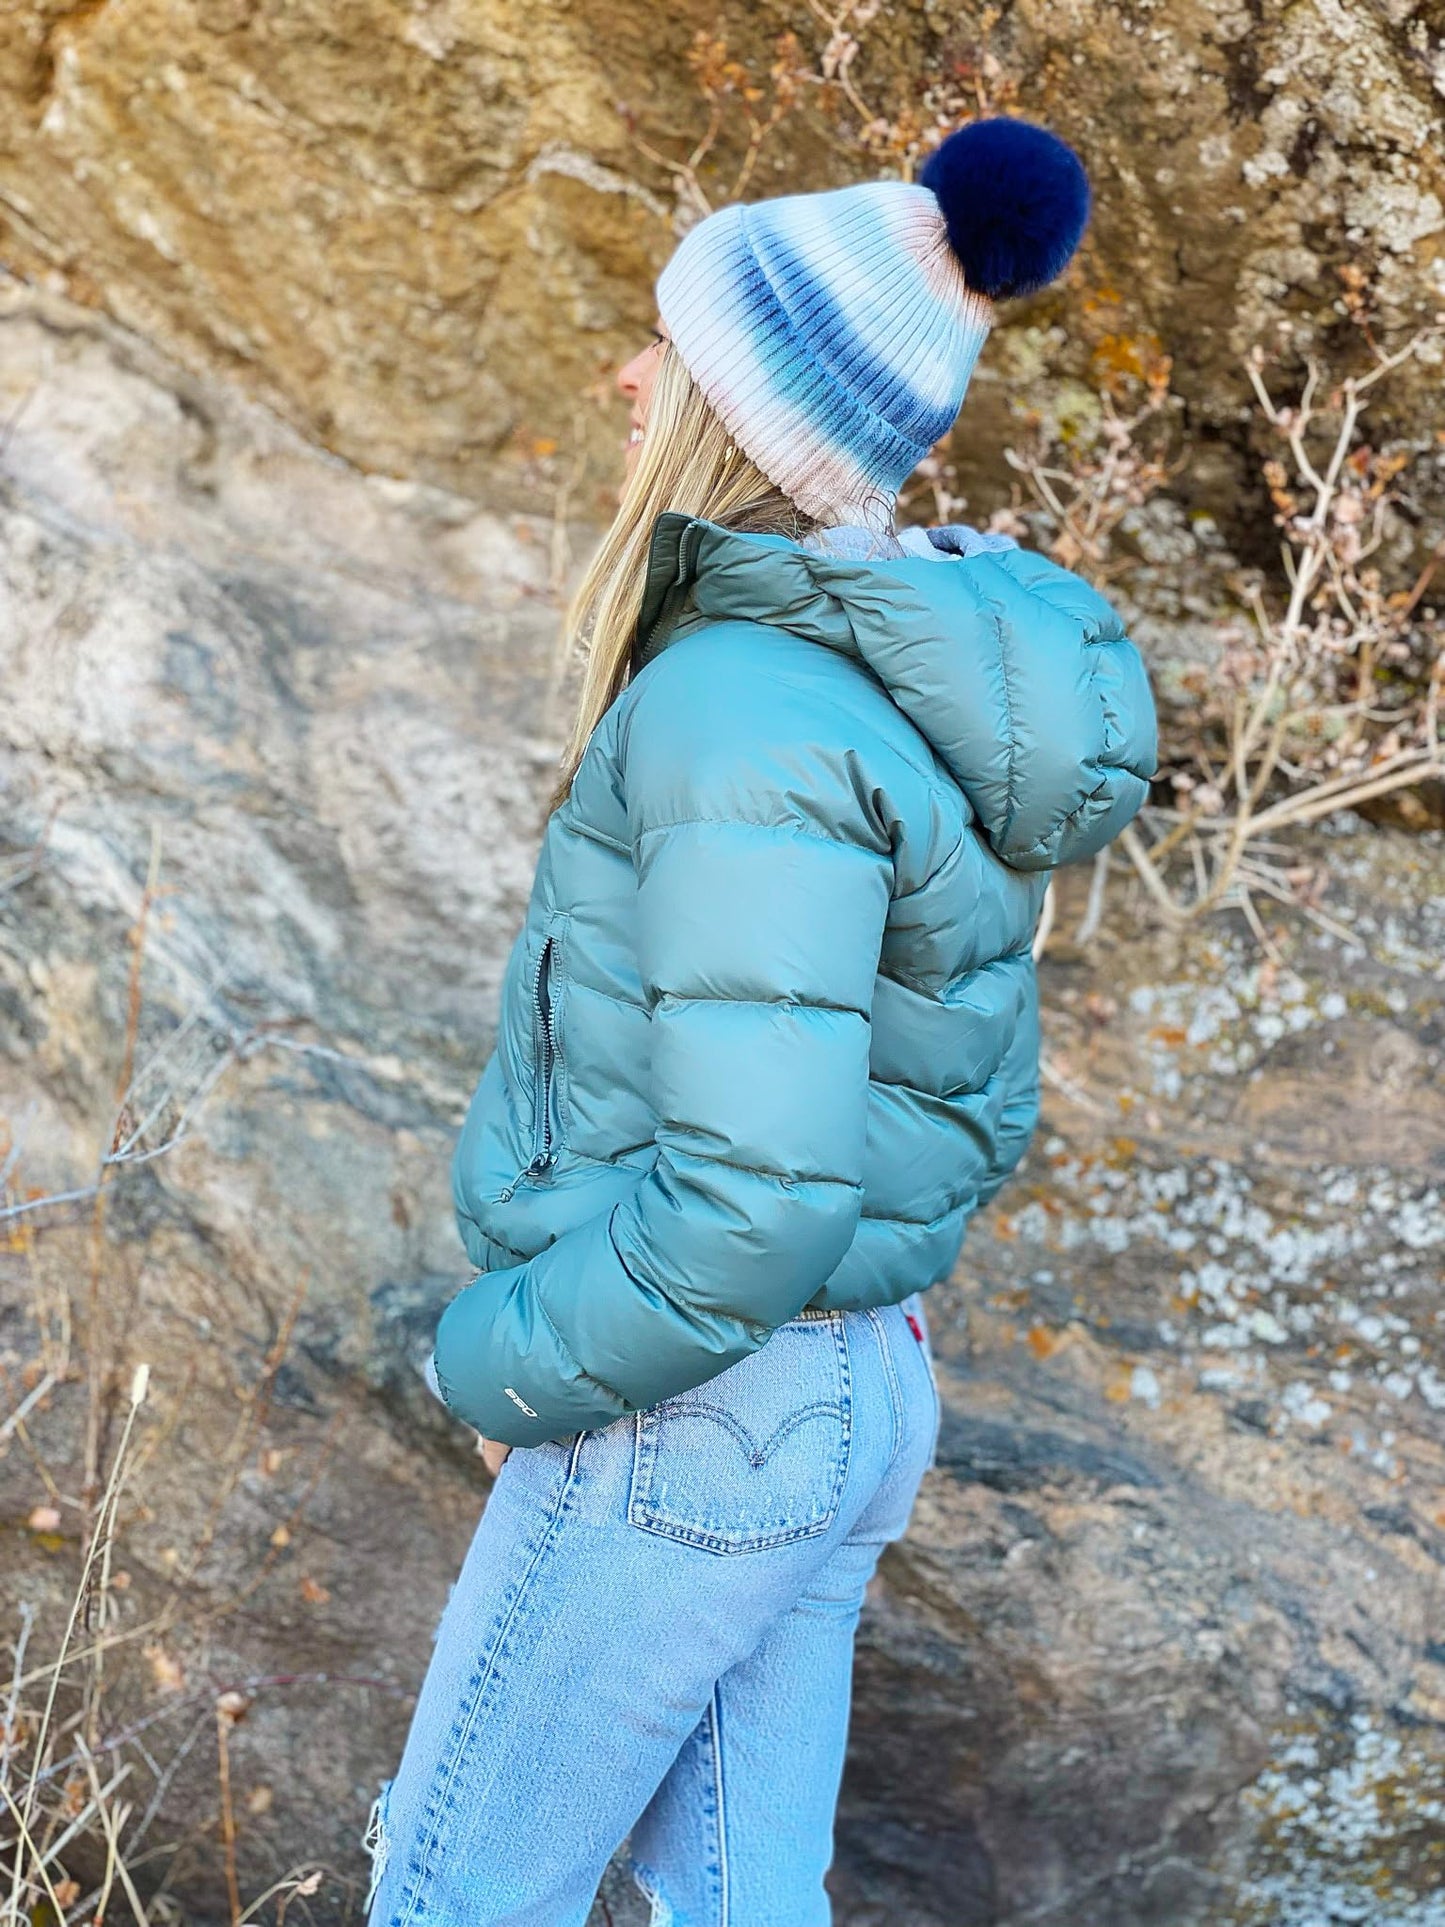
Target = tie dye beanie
(835,333)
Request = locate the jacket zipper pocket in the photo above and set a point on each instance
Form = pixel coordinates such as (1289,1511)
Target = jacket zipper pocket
(548,1055)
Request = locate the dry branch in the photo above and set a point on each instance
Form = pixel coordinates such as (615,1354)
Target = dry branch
(1327,692)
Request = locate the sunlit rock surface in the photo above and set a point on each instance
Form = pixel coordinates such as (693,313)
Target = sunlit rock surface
(1165,1644)
(423,228)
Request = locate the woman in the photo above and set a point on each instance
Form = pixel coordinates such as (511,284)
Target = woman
(768,1038)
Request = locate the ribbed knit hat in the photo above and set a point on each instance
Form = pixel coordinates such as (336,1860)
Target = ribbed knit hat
(834,334)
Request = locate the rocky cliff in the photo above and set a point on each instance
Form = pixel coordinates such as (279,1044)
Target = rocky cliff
(421,229)
(1165,1644)
(303,424)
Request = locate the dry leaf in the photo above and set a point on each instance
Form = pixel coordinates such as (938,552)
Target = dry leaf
(281,1536)
(67,1892)
(166,1670)
(313,1594)
(260,1800)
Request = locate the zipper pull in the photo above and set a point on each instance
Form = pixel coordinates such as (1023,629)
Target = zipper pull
(536,1168)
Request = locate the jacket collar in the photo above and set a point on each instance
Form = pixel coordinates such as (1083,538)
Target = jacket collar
(671,567)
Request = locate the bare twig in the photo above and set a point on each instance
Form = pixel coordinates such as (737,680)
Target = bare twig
(1309,713)
(229,1707)
(1094,909)
(1046,921)
(111,1821)
(41,1388)
(16,870)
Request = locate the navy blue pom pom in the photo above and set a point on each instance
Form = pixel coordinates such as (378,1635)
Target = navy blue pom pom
(1015,200)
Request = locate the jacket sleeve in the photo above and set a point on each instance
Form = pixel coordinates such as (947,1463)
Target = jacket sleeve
(763,880)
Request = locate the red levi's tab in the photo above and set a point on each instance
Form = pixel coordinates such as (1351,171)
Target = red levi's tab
(914,1326)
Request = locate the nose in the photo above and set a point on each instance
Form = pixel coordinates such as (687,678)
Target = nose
(629,377)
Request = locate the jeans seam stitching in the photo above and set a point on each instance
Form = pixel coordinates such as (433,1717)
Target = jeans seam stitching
(477,1686)
(720,1795)
(895,1390)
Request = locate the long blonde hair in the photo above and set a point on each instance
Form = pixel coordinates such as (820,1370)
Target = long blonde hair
(687,462)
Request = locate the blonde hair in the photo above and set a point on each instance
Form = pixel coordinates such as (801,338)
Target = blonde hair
(687,462)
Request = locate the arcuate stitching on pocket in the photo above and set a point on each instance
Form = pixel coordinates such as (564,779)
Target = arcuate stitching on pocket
(662,1435)
(757,1456)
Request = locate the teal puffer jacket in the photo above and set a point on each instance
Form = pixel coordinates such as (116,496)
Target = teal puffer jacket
(770,1032)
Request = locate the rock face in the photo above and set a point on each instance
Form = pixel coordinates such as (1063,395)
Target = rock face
(1165,1644)
(420,228)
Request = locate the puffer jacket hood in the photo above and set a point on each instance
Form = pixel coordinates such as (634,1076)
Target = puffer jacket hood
(1015,671)
(769,1035)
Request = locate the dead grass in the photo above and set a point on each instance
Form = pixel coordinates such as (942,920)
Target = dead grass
(110,1700)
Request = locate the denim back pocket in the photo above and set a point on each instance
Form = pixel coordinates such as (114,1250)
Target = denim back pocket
(757,1456)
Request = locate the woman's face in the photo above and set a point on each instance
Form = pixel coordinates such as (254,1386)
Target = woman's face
(634,380)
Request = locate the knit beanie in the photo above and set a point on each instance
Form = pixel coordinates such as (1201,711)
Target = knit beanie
(834,334)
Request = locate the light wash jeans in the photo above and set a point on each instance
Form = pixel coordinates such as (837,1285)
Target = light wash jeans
(653,1632)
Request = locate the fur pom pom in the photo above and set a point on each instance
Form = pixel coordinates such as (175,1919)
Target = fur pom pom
(1015,200)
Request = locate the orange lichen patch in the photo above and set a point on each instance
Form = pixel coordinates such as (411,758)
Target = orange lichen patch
(18,1235)
(1055,1206)
(1044,1343)
(1123,361)
(1120,1384)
